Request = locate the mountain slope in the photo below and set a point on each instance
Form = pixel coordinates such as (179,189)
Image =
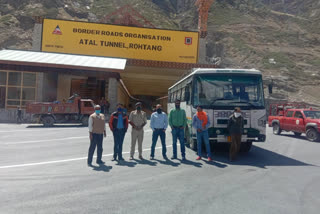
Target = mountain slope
(281,38)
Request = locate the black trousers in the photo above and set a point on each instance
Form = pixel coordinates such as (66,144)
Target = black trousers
(118,136)
(96,141)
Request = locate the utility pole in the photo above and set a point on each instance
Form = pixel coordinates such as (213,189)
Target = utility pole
(203,10)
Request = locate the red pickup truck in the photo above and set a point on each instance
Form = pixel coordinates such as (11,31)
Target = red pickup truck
(289,118)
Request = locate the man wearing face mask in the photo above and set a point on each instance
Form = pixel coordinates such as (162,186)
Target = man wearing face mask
(119,125)
(235,128)
(137,119)
(159,124)
(178,122)
(201,123)
(97,129)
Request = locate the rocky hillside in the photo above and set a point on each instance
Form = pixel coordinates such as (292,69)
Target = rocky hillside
(279,37)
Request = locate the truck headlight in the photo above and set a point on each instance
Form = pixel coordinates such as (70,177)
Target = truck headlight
(218,132)
(245,131)
(262,121)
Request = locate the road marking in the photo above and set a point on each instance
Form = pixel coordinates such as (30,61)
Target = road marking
(40,141)
(35,129)
(66,160)
(52,140)
(40,129)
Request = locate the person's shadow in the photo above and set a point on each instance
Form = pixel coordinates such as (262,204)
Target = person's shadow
(102,168)
(126,163)
(214,163)
(191,163)
(145,162)
(168,162)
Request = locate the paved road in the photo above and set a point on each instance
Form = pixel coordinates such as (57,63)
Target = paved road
(43,170)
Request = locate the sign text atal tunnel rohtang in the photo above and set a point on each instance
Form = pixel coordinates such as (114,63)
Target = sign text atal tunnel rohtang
(119,41)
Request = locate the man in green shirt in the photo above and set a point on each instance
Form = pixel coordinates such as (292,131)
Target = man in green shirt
(177,122)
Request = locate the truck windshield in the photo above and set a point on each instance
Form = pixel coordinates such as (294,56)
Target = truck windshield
(312,114)
(229,89)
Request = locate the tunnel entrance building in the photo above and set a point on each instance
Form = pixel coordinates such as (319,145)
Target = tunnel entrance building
(56,71)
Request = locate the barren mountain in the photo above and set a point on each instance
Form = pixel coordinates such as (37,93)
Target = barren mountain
(279,37)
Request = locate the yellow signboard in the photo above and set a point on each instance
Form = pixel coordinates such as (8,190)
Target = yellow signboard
(119,41)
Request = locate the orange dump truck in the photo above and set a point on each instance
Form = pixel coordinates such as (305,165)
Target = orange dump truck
(74,110)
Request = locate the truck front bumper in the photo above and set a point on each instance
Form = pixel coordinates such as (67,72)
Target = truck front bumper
(244,138)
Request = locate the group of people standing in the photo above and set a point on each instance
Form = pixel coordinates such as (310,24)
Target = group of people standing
(159,122)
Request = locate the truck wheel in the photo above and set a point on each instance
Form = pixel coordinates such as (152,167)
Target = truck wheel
(85,121)
(245,146)
(276,129)
(297,134)
(312,135)
(47,121)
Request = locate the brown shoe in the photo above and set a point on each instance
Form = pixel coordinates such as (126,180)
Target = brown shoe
(140,157)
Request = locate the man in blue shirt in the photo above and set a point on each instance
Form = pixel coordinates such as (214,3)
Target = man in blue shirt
(159,124)
(201,123)
(119,125)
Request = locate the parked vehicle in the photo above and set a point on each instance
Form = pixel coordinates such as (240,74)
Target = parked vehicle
(219,91)
(74,110)
(296,118)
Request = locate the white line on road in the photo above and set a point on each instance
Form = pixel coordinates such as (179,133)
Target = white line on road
(40,141)
(52,140)
(40,129)
(66,160)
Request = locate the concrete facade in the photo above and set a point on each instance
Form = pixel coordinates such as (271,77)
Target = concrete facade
(202,51)
(64,85)
(113,93)
(61,84)
(36,46)
(36,37)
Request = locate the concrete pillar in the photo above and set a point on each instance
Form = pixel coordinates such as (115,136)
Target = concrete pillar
(36,37)
(50,87)
(36,46)
(39,97)
(202,51)
(113,93)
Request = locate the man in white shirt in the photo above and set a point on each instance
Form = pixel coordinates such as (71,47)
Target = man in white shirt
(97,130)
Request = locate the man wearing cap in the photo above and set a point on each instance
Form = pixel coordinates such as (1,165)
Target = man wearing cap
(119,125)
(137,119)
(97,130)
(178,122)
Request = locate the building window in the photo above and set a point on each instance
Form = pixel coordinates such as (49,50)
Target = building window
(3,83)
(14,78)
(2,97)
(17,88)
(28,94)
(14,93)
(29,79)
(3,78)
